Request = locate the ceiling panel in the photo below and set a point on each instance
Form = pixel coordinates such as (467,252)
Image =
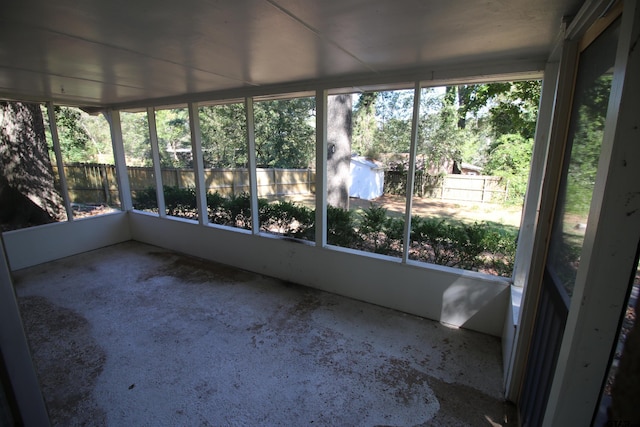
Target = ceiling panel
(105,53)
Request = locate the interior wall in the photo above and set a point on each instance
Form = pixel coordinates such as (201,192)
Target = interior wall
(459,298)
(36,245)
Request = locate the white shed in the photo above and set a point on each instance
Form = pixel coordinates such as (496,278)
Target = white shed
(367,178)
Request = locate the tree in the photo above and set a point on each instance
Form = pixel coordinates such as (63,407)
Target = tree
(74,139)
(365,126)
(135,137)
(27,192)
(285,133)
(509,157)
(224,140)
(339,127)
(83,138)
(174,137)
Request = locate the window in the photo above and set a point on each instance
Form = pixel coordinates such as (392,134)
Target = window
(176,158)
(89,167)
(226,173)
(285,139)
(137,149)
(369,135)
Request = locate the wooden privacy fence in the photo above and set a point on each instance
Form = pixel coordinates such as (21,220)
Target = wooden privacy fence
(454,187)
(91,183)
(96,183)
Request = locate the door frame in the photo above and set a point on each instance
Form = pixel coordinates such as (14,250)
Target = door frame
(569,395)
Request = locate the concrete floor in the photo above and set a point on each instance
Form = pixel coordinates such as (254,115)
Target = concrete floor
(136,335)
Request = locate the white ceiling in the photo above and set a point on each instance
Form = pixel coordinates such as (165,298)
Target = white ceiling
(114,52)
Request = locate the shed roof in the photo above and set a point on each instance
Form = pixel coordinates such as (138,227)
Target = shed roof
(119,53)
(371,164)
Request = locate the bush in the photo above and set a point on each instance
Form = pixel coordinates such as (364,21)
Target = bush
(288,219)
(146,199)
(236,211)
(478,246)
(383,232)
(341,228)
(180,201)
(454,245)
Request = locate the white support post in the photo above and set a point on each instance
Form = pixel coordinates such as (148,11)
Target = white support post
(157,166)
(198,164)
(321,168)
(411,173)
(64,188)
(122,175)
(253,174)
(608,259)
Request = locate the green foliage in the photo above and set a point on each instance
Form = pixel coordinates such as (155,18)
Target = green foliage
(285,133)
(517,109)
(382,123)
(180,201)
(289,219)
(234,211)
(509,158)
(224,136)
(83,138)
(341,227)
(74,140)
(468,246)
(383,232)
(135,137)
(174,137)
(146,200)
(364,125)
(478,246)
(589,118)
(439,137)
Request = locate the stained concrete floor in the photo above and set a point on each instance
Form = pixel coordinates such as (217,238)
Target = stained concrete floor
(136,335)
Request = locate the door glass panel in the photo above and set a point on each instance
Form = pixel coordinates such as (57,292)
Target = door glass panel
(591,98)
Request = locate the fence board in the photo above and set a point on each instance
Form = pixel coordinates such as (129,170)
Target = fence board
(96,183)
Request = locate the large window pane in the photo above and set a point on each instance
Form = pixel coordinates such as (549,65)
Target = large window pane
(178,177)
(226,173)
(137,150)
(473,156)
(366,133)
(87,152)
(285,156)
(29,192)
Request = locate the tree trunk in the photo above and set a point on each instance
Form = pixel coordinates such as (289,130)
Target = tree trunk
(339,146)
(27,191)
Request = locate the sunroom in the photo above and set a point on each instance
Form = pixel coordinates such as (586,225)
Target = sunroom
(559,318)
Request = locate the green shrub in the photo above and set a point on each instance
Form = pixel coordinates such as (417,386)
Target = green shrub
(453,245)
(180,201)
(384,233)
(146,199)
(341,228)
(500,247)
(289,219)
(236,211)
(478,246)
